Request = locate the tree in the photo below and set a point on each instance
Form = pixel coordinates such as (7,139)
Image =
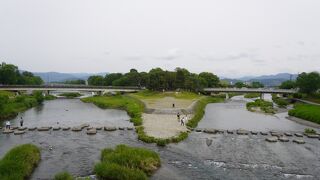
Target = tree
(212,80)
(9,74)
(3,100)
(308,82)
(39,97)
(256,84)
(109,78)
(288,85)
(239,84)
(96,80)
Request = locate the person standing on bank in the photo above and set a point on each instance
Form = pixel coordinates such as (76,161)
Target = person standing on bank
(182,121)
(178,117)
(21,121)
(8,125)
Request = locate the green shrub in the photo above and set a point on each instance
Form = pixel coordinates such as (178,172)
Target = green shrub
(19,162)
(252,95)
(116,172)
(265,106)
(63,176)
(306,111)
(162,142)
(310,131)
(71,94)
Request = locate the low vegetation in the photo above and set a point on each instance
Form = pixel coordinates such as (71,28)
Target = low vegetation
(19,162)
(264,106)
(127,163)
(310,131)
(63,176)
(200,110)
(71,95)
(307,112)
(252,95)
(147,94)
(280,101)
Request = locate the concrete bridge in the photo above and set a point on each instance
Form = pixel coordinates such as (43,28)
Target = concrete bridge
(78,88)
(262,91)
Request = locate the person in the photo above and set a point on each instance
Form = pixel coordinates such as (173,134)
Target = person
(173,105)
(8,125)
(21,121)
(178,117)
(182,121)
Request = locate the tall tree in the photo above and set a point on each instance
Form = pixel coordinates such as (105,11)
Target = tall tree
(308,82)
(212,80)
(287,85)
(96,80)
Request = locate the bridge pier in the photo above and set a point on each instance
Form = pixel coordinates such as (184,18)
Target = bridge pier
(227,96)
(261,96)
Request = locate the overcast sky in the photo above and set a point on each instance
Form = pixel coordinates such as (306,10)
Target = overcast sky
(230,38)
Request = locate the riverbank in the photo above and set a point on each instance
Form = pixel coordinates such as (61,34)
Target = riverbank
(307,112)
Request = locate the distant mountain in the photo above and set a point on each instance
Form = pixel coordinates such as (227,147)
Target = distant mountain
(61,77)
(286,76)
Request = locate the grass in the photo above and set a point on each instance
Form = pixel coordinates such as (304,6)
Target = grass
(63,176)
(126,163)
(200,110)
(280,101)
(71,95)
(147,94)
(7,93)
(19,162)
(133,106)
(252,95)
(265,106)
(310,131)
(307,112)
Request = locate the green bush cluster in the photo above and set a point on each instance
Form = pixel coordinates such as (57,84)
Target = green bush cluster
(63,176)
(280,101)
(19,162)
(126,163)
(252,95)
(306,111)
(265,106)
(310,131)
(71,94)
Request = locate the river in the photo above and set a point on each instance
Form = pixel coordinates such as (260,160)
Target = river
(228,156)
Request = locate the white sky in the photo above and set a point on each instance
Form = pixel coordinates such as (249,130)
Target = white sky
(227,37)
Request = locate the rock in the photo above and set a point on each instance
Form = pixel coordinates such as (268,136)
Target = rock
(298,134)
(229,131)
(44,128)
(311,135)
(7,131)
(283,139)
(22,128)
(242,132)
(299,141)
(198,130)
(129,128)
(208,142)
(76,129)
(92,131)
(121,128)
(82,126)
(32,128)
(65,128)
(99,128)
(287,134)
(272,139)
(254,132)
(276,134)
(220,131)
(210,131)
(110,128)
(0,127)
(14,127)
(18,132)
(56,128)
(264,133)
(191,129)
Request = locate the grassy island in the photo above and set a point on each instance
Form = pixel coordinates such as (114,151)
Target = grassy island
(263,105)
(19,162)
(127,163)
(307,112)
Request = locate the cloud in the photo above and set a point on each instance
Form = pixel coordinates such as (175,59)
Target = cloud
(231,57)
(134,58)
(301,43)
(171,55)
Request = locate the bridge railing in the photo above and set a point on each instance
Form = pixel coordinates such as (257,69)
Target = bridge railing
(70,86)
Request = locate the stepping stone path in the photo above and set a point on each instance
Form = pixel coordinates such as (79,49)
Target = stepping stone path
(298,134)
(99,128)
(129,128)
(198,130)
(312,135)
(254,132)
(7,131)
(32,128)
(76,129)
(22,128)
(283,139)
(65,128)
(287,134)
(229,131)
(220,131)
(56,128)
(92,131)
(242,132)
(121,128)
(44,128)
(272,139)
(276,134)
(299,141)
(110,128)
(14,127)
(18,132)
(210,131)
(264,133)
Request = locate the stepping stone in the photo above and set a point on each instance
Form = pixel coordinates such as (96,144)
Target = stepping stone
(129,128)
(191,129)
(121,128)
(32,128)
(92,131)
(84,125)
(272,139)
(110,128)
(287,134)
(254,132)
(220,131)
(18,132)
(210,131)
(56,128)
(44,128)
(276,134)
(283,139)
(242,132)
(76,129)
(98,128)
(229,131)
(14,127)
(7,131)
(22,128)
(0,127)
(198,130)
(65,128)
(298,134)
(312,135)
(299,141)
(264,133)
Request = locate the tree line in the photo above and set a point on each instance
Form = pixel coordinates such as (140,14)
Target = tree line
(10,74)
(308,83)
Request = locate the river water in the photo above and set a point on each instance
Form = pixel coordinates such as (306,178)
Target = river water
(227,156)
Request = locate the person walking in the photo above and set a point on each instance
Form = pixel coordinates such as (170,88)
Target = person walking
(21,121)
(182,121)
(8,125)
(178,117)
